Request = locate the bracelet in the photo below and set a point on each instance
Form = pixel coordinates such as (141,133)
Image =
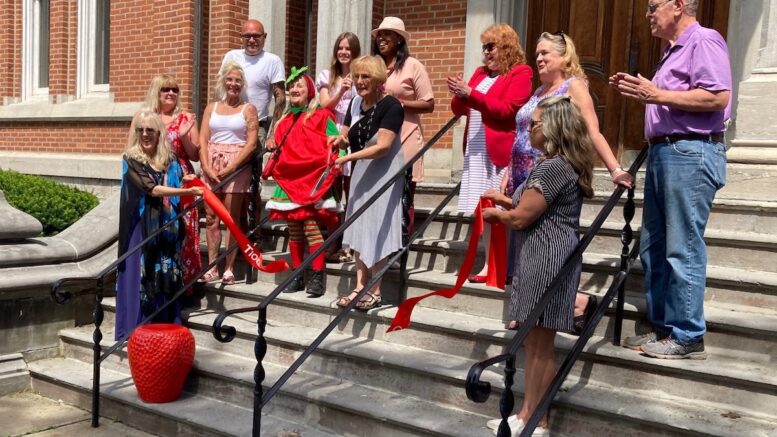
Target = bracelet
(616,169)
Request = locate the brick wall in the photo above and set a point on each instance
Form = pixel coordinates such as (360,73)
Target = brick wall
(10,48)
(296,25)
(437,29)
(63,32)
(226,19)
(81,137)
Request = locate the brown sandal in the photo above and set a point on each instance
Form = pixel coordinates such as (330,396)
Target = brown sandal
(345,300)
(369,301)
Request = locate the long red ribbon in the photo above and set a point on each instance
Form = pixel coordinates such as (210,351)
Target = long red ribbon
(249,251)
(497,266)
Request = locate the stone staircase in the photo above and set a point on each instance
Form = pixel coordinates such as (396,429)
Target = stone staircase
(366,382)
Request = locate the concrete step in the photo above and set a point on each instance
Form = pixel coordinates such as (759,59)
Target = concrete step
(14,376)
(351,362)
(311,399)
(192,414)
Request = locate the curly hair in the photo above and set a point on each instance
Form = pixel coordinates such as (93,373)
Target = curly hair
(221,85)
(151,103)
(565,47)
(509,51)
(566,134)
(163,155)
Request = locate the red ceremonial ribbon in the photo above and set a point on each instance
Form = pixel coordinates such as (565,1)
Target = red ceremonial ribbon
(249,251)
(497,266)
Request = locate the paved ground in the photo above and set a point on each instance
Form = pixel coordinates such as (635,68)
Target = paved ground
(27,414)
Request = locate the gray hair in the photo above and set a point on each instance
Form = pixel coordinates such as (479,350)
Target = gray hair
(691,6)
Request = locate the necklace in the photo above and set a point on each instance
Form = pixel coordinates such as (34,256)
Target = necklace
(363,128)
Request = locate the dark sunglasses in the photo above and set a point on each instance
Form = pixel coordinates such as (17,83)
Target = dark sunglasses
(146,130)
(167,89)
(488,47)
(256,36)
(561,35)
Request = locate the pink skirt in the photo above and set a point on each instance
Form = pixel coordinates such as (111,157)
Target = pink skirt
(219,157)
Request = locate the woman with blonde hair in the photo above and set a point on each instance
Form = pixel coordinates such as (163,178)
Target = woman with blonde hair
(151,184)
(545,212)
(304,159)
(164,98)
(372,128)
(228,139)
(490,101)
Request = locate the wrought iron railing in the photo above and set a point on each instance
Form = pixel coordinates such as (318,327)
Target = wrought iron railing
(225,333)
(61,295)
(479,391)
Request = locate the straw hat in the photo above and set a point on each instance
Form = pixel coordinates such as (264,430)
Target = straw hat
(393,24)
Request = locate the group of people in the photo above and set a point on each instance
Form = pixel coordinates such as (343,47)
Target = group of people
(343,134)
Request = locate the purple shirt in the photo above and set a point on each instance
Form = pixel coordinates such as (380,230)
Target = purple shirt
(699,59)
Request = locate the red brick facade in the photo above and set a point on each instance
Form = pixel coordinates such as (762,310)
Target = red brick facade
(148,37)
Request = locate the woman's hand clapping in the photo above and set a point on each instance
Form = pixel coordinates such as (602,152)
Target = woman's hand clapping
(458,87)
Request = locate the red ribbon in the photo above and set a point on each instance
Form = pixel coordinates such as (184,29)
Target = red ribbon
(497,266)
(249,251)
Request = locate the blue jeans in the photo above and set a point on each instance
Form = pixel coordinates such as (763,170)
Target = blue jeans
(680,184)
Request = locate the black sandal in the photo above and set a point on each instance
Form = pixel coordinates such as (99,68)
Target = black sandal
(369,301)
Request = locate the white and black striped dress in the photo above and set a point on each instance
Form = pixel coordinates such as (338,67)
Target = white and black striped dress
(479,173)
(546,244)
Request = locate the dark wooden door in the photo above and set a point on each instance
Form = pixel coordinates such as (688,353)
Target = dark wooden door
(612,36)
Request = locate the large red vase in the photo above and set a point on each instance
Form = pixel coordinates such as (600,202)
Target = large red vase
(160,357)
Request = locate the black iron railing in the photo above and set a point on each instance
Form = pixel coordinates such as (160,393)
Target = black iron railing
(225,333)
(479,391)
(61,295)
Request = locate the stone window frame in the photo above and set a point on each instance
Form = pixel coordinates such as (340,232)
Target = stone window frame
(32,66)
(87,48)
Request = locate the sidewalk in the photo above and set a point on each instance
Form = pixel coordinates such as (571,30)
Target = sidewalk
(28,414)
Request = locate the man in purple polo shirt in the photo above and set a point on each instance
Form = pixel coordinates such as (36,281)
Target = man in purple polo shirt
(687,105)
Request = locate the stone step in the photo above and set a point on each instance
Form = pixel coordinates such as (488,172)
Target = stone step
(14,376)
(311,399)
(414,372)
(192,414)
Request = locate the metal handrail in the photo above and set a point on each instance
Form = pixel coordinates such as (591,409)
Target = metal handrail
(479,391)
(61,297)
(225,333)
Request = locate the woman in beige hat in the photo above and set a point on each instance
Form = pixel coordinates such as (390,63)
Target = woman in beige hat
(409,82)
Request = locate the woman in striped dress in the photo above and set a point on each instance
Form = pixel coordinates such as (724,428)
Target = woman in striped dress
(490,101)
(545,210)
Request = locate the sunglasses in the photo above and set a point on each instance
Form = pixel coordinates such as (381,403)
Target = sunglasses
(167,89)
(146,130)
(255,36)
(563,37)
(488,47)
(651,9)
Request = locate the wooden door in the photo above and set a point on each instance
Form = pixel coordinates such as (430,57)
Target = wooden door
(612,36)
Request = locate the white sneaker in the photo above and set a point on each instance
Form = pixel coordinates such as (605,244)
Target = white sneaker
(540,432)
(516,424)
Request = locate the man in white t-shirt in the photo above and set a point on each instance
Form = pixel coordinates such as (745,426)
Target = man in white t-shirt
(264,73)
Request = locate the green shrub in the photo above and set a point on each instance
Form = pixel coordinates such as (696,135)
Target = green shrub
(55,205)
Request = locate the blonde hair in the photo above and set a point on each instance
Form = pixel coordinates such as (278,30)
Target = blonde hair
(221,85)
(509,53)
(159,81)
(374,66)
(564,46)
(312,104)
(163,156)
(566,134)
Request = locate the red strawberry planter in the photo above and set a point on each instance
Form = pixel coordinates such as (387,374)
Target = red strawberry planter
(160,357)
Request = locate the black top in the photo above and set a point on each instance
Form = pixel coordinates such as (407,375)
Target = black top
(386,114)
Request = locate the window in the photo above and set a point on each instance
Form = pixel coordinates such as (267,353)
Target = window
(35,49)
(93,47)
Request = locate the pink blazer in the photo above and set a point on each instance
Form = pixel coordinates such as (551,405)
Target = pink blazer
(498,108)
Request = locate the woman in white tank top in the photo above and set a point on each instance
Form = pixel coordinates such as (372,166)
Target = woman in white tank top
(228,139)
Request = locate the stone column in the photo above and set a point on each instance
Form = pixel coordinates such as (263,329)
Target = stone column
(272,14)
(753,47)
(336,17)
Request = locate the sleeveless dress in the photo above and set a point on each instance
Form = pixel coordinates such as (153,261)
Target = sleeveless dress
(191,261)
(479,173)
(227,138)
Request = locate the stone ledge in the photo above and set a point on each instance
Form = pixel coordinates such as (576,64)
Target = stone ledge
(81,165)
(88,109)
